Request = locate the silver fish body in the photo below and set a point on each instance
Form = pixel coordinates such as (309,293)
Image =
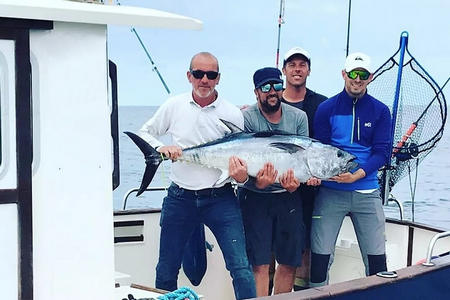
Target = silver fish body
(307,157)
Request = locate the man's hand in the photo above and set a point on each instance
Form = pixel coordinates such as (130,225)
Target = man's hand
(289,182)
(313,181)
(266,176)
(349,177)
(237,169)
(172,152)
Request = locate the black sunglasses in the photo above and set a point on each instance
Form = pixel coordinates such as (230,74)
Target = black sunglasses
(198,74)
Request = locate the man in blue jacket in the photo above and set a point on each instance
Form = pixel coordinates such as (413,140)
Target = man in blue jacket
(360,124)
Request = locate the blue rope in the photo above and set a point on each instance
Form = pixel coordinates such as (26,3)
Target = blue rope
(180,294)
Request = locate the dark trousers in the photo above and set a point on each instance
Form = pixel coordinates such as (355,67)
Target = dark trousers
(218,209)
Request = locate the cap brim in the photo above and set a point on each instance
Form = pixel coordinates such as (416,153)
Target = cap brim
(306,58)
(276,80)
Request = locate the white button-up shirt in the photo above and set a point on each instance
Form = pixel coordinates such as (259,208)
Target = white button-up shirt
(190,125)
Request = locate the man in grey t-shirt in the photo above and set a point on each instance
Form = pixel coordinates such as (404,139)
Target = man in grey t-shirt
(273,221)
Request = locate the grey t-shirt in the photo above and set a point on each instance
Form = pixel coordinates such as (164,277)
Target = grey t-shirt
(293,120)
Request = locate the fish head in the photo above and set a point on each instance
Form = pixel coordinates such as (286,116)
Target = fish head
(325,161)
(351,163)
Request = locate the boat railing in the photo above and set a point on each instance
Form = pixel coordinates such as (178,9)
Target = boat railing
(433,241)
(400,206)
(135,190)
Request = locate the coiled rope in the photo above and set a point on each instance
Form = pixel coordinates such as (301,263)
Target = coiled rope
(182,293)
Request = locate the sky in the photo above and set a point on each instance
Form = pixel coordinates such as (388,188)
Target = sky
(243,36)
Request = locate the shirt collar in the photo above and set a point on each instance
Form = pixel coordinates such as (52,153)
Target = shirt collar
(214,104)
(347,97)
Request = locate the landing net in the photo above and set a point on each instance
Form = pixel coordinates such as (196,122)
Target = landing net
(420,114)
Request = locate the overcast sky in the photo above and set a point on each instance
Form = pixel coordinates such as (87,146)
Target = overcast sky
(243,35)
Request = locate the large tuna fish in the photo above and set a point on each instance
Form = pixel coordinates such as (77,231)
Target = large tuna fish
(307,157)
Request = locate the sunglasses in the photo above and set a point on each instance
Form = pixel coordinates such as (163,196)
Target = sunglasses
(198,74)
(363,75)
(276,87)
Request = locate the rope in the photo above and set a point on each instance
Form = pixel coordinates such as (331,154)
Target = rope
(182,293)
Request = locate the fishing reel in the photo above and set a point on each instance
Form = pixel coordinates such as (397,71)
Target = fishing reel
(409,150)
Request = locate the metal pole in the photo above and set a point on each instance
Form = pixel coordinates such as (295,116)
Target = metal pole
(403,44)
(433,241)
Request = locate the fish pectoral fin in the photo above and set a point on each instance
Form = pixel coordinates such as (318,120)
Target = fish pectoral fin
(223,177)
(233,128)
(290,148)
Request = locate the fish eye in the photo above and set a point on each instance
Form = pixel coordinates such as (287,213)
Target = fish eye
(340,153)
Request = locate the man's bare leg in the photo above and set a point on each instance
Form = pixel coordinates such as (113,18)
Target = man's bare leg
(284,279)
(302,273)
(261,274)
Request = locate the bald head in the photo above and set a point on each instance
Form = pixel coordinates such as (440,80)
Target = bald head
(203,55)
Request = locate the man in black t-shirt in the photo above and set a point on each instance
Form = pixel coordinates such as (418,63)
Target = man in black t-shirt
(297,68)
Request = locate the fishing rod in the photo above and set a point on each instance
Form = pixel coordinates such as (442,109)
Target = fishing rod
(348,27)
(280,22)
(154,67)
(413,126)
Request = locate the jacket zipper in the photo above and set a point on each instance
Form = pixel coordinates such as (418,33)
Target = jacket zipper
(353,120)
(359,136)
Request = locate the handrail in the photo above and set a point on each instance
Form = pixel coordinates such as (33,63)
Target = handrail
(135,190)
(428,262)
(400,206)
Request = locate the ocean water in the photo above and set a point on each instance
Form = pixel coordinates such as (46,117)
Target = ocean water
(432,193)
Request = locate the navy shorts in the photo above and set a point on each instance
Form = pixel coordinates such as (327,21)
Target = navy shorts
(273,223)
(308,193)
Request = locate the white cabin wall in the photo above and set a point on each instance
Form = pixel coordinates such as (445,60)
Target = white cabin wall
(9,261)
(72,186)
(8,251)
(8,169)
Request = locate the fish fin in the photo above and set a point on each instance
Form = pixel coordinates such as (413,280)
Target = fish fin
(270,133)
(233,128)
(291,148)
(152,160)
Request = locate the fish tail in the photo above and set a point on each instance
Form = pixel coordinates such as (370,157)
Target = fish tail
(152,160)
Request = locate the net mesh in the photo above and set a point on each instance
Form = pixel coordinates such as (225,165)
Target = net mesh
(420,103)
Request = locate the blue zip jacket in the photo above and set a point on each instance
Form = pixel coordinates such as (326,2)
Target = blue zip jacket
(359,126)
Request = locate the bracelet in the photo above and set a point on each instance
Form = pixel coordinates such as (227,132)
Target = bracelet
(242,183)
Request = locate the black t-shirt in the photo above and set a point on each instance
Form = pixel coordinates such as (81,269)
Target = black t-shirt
(309,106)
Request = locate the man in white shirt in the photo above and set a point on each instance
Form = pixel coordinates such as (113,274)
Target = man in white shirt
(193,197)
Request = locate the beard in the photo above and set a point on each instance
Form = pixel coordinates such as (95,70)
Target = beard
(267,107)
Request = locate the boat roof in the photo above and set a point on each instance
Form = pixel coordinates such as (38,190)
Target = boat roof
(94,13)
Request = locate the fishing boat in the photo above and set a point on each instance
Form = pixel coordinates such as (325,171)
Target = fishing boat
(418,257)
(59,236)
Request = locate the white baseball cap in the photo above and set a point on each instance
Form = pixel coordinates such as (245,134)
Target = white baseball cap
(358,60)
(295,51)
